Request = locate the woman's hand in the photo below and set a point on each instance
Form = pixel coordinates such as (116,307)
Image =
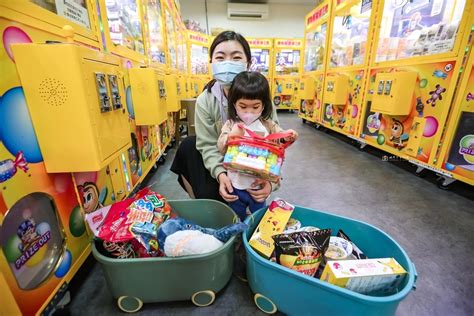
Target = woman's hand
(262,190)
(225,188)
(293,137)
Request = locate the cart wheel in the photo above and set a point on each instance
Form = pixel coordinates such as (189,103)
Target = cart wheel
(264,304)
(129,304)
(203,298)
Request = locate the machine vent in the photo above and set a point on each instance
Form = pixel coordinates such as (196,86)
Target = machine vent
(53,92)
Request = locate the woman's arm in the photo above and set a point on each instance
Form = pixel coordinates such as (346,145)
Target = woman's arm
(223,137)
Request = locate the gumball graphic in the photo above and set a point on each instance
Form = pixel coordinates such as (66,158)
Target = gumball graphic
(381,139)
(37,257)
(467,142)
(332,122)
(14,35)
(139,172)
(423,83)
(65,265)
(355,111)
(16,127)
(449,167)
(431,126)
(76,222)
(11,249)
(128,100)
(43,228)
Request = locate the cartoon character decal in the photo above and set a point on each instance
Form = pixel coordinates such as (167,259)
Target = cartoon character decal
(340,118)
(436,95)
(27,234)
(398,137)
(90,196)
(133,155)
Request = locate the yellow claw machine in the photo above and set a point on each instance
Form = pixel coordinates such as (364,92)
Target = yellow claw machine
(310,92)
(43,237)
(262,52)
(347,64)
(286,71)
(198,61)
(457,152)
(418,54)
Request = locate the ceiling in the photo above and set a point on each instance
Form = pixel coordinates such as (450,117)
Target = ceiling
(305,2)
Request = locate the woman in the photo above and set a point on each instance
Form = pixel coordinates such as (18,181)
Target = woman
(198,162)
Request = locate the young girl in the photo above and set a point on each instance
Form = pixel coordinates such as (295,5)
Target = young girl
(249,103)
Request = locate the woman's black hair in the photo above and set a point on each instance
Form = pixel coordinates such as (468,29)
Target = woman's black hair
(250,85)
(228,36)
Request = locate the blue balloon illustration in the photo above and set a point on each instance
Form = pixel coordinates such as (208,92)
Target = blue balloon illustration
(128,100)
(16,127)
(65,265)
(450,167)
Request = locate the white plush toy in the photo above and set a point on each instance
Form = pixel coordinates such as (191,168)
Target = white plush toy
(190,242)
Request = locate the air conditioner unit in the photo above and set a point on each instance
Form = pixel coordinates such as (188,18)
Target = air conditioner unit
(247,11)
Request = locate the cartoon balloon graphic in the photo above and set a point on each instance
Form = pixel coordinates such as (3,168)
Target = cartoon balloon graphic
(355,111)
(76,222)
(16,127)
(12,248)
(449,166)
(14,35)
(381,139)
(62,182)
(128,100)
(423,83)
(431,126)
(65,265)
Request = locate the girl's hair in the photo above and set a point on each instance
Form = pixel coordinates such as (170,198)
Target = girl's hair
(228,36)
(249,85)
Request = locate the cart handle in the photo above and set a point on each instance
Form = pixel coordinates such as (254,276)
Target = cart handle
(270,137)
(415,273)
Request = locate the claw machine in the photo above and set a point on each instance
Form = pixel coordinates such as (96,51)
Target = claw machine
(43,239)
(310,92)
(198,61)
(457,152)
(131,30)
(417,57)
(352,24)
(286,71)
(261,50)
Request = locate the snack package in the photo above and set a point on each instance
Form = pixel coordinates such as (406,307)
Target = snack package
(338,249)
(302,251)
(256,155)
(356,252)
(365,276)
(136,218)
(292,226)
(272,223)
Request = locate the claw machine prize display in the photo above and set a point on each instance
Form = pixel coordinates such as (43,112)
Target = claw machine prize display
(261,50)
(347,65)
(155,39)
(457,153)
(43,239)
(286,71)
(123,28)
(417,56)
(170,24)
(198,61)
(310,91)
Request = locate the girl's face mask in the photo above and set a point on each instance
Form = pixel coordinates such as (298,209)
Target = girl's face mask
(225,71)
(248,117)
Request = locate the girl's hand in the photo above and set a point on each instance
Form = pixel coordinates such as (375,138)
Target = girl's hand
(236,131)
(225,188)
(293,137)
(262,190)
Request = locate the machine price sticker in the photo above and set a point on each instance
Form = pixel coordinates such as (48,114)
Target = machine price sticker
(317,15)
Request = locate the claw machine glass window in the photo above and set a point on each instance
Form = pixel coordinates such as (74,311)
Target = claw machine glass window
(350,31)
(170,32)
(315,48)
(260,60)
(125,27)
(412,28)
(157,44)
(287,62)
(73,10)
(199,56)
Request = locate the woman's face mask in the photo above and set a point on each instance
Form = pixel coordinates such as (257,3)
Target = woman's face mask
(225,71)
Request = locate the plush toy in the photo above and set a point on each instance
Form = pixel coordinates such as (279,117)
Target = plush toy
(190,242)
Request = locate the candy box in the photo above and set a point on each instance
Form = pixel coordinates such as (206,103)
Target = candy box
(256,155)
(367,276)
(272,223)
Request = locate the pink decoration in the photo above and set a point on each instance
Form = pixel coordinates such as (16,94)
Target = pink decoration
(14,35)
(431,126)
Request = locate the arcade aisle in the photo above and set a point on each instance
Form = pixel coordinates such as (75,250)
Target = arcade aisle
(432,225)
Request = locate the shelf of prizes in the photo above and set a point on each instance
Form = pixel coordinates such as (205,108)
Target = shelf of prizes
(316,42)
(352,23)
(418,53)
(286,70)
(198,62)
(92,147)
(262,54)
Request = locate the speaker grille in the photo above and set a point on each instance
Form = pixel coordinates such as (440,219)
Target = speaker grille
(53,92)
